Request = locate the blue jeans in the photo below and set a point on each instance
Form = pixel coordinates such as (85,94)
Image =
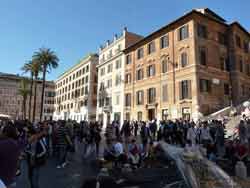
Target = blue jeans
(34,177)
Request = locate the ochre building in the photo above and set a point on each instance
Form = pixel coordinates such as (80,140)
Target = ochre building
(189,68)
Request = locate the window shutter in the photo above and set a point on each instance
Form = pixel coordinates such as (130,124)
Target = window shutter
(180,90)
(209,86)
(189,89)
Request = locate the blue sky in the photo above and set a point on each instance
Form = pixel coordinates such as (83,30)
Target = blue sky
(73,28)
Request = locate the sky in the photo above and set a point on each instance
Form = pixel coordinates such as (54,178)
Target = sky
(74,28)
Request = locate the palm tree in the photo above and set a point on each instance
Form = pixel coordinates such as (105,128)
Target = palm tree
(29,67)
(24,92)
(48,61)
(36,68)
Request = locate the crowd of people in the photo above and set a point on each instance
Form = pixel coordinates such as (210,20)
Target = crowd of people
(130,143)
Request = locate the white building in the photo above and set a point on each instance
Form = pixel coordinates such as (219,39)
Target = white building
(110,97)
(76,91)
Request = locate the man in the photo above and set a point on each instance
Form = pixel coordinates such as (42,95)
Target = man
(9,154)
(191,134)
(63,140)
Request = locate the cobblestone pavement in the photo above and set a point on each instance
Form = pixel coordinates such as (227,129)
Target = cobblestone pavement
(71,176)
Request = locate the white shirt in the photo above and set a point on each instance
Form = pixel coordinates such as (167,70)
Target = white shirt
(118,148)
(191,134)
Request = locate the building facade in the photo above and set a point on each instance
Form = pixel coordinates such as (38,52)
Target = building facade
(189,68)
(111,77)
(76,91)
(11,101)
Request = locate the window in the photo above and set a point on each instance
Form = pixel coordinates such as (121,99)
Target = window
(222,38)
(164,66)
(226,89)
(183,32)
(110,67)
(222,63)
(151,70)
(117,99)
(128,59)
(83,70)
(248,69)
(151,47)
(139,74)
(86,90)
(238,41)
(102,71)
(118,64)
(165,93)
(139,97)
(118,80)
(128,78)
(151,95)
(205,85)
(128,99)
(164,41)
(110,54)
(140,53)
(109,83)
(139,116)
(246,47)
(82,91)
(108,101)
(203,56)
(185,89)
(241,65)
(202,31)
(184,59)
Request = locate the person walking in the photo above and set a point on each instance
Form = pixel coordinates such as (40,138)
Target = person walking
(63,140)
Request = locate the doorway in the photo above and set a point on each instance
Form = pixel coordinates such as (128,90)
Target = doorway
(151,114)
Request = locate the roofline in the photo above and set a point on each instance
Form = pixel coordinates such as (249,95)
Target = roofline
(193,12)
(241,27)
(19,77)
(90,55)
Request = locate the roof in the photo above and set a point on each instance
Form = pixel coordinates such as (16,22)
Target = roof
(79,62)
(18,77)
(241,27)
(207,13)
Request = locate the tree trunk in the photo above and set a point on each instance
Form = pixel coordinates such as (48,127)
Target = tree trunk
(24,107)
(30,98)
(23,117)
(43,87)
(34,104)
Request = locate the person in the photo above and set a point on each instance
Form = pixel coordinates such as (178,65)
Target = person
(205,134)
(242,131)
(36,157)
(191,134)
(145,135)
(133,153)
(10,151)
(63,139)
